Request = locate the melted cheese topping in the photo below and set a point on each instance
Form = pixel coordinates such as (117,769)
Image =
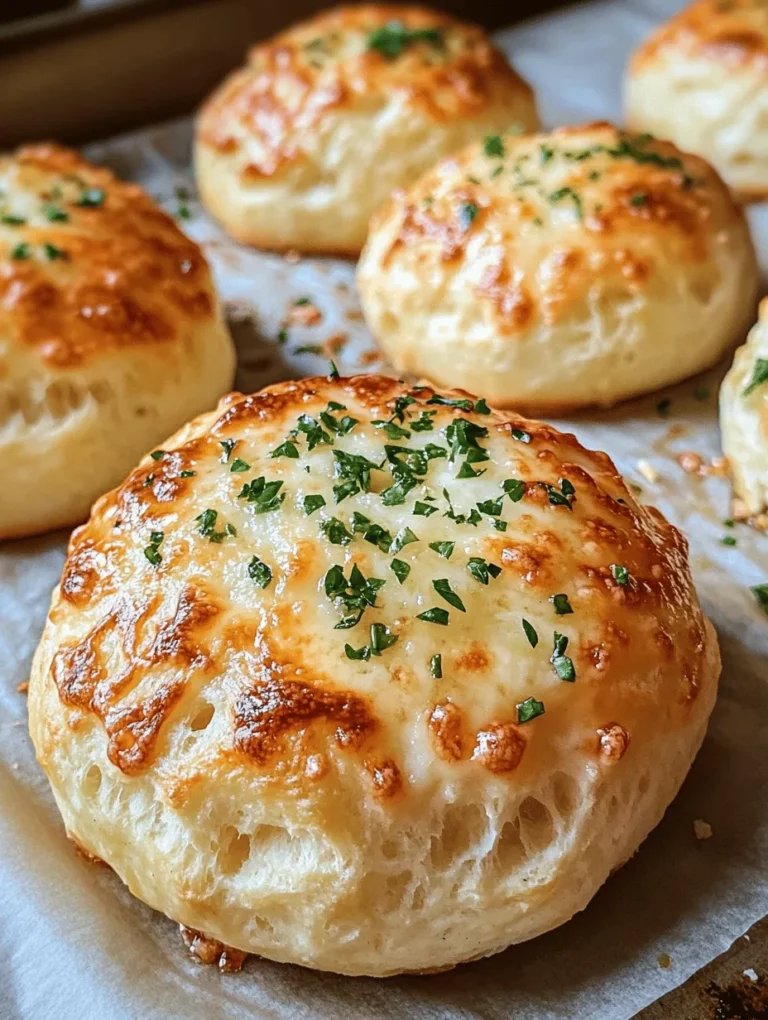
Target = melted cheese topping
(88,263)
(300,557)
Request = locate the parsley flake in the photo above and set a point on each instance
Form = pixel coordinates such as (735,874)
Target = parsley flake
(312,503)
(91,198)
(262,495)
(562,606)
(759,376)
(443,588)
(760,591)
(228,446)
(400,569)
(391,40)
(259,572)
(238,466)
(335,531)
(436,666)
(444,549)
(423,509)
(530,632)
(529,709)
(493,146)
(439,616)
(404,537)
(52,252)
(514,488)
(286,449)
(21,251)
(152,551)
(562,664)
(481,570)
(620,574)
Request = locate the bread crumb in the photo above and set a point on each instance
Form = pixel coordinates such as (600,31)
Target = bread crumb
(648,471)
(305,314)
(702,829)
(335,343)
(690,462)
(751,974)
(23,688)
(292,256)
(665,961)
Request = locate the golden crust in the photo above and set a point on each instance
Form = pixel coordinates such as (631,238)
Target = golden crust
(195,662)
(547,233)
(323,64)
(117,271)
(298,148)
(732,31)
(110,334)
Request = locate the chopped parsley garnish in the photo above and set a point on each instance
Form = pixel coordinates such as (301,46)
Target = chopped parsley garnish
(401,403)
(21,251)
(562,606)
(381,638)
(341,426)
(444,549)
(282,335)
(620,574)
(423,509)
(206,522)
(152,551)
(391,40)
(639,198)
(500,525)
(313,431)
(728,540)
(491,507)
(530,632)
(545,153)
(443,588)
(335,531)
(562,664)
(286,449)
(301,301)
(663,406)
(12,221)
(729,523)
(465,405)
(157,454)
(514,488)
(55,213)
(529,709)
(309,349)
(424,422)
(393,430)
(467,213)
(355,594)
(436,666)
(238,466)
(520,435)
(400,569)
(404,537)
(493,146)
(148,481)
(354,471)
(439,616)
(372,533)
(227,446)
(473,518)
(262,495)
(481,570)
(760,591)
(557,498)
(52,252)
(701,393)
(312,503)
(333,372)
(759,376)
(259,572)
(91,198)
(481,407)
(187,474)
(566,192)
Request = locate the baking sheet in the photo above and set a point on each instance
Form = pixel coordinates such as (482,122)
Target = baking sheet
(74,944)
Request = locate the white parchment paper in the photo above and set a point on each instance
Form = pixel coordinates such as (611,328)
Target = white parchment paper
(74,945)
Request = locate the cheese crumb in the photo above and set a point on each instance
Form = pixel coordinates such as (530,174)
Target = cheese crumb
(751,974)
(665,961)
(648,471)
(702,829)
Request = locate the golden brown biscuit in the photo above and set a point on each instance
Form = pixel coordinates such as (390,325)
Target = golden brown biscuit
(389,682)
(298,148)
(561,270)
(701,80)
(110,335)
(744,420)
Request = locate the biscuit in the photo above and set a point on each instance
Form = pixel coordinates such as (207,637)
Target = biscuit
(370,678)
(558,271)
(110,335)
(701,80)
(298,148)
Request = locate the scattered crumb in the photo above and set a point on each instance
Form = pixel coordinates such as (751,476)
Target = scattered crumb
(677,430)
(648,471)
(305,314)
(665,961)
(702,829)
(342,288)
(694,464)
(335,343)
(354,315)
(751,974)
(208,951)
(292,256)
(370,358)
(23,688)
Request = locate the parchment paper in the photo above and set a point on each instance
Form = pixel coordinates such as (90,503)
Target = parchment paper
(74,944)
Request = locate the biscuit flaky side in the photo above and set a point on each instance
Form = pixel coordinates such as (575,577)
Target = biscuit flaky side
(299,147)
(701,80)
(559,271)
(369,678)
(110,334)
(744,420)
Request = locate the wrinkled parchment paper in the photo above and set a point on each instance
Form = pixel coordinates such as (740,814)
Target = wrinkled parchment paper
(74,945)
